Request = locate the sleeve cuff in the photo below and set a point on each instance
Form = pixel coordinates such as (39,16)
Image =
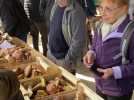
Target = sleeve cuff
(94,54)
(117,72)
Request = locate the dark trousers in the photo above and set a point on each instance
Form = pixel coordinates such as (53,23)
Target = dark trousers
(22,36)
(9,86)
(108,97)
(41,27)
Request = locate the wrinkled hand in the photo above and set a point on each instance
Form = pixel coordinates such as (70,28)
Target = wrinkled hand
(89,59)
(106,73)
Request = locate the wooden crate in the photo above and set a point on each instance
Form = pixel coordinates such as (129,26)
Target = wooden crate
(88,92)
(46,63)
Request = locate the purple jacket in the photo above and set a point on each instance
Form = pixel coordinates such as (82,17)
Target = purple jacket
(106,50)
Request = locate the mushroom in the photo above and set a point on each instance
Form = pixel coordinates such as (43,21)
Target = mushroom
(51,88)
(28,71)
(17,55)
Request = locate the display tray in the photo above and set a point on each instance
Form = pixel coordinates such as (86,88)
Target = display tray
(13,59)
(45,84)
(17,52)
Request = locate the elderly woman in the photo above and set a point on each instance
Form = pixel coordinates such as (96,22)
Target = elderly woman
(114,80)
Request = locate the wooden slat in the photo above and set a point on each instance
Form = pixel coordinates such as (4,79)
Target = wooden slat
(24,93)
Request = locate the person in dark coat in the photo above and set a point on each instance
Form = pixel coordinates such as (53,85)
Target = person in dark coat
(114,79)
(9,86)
(67,38)
(89,8)
(14,19)
(22,2)
(38,23)
(45,9)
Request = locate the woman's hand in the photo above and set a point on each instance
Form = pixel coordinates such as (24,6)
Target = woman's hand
(89,59)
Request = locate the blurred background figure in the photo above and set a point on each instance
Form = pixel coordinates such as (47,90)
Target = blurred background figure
(45,10)
(88,6)
(14,19)
(22,2)
(109,58)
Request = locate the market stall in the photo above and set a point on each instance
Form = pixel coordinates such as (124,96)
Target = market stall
(40,78)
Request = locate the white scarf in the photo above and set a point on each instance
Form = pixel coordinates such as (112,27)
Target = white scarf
(108,28)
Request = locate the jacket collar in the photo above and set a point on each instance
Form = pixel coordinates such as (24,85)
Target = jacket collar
(71,5)
(123,24)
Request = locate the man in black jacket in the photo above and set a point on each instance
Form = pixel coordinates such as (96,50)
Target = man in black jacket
(14,19)
(38,23)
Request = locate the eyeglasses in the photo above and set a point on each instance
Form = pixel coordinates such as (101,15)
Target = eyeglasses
(107,9)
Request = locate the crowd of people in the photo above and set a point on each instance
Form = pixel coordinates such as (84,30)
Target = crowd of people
(64,37)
